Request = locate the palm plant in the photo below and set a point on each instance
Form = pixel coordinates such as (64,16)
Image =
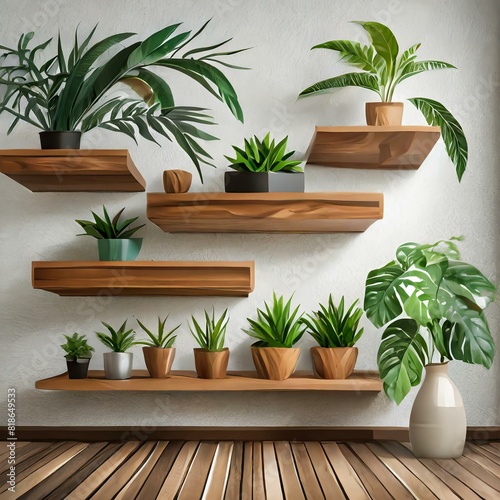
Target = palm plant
(278,325)
(383,68)
(162,339)
(330,327)
(443,300)
(107,228)
(76,347)
(73,92)
(213,335)
(120,340)
(264,156)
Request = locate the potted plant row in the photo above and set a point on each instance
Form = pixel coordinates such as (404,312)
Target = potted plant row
(69,93)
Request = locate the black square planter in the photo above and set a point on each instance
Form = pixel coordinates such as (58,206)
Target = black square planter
(264,182)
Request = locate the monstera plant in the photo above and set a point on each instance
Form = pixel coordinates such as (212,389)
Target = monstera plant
(78,91)
(433,305)
(382,68)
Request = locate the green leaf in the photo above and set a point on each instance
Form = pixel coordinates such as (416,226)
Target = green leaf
(453,135)
(383,41)
(364,80)
(416,67)
(401,358)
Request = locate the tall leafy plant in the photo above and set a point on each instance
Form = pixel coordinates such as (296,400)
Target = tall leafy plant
(434,304)
(73,91)
(382,68)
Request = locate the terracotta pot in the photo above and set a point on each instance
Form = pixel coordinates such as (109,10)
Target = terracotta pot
(177,181)
(211,364)
(437,420)
(334,362)
(384,113)
(158,360)
(275,363)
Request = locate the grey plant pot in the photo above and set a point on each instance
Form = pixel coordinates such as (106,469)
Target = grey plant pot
(264,182)
(118,365)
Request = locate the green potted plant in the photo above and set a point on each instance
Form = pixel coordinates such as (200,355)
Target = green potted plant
(336,333)
(434,305)
(118,363)
(65,94)
(159,352)
(277,330)
(263,166)
(211,358)
(78,354)
(114,238)
(383,67)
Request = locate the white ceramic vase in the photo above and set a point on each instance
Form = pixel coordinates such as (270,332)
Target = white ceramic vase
(437,421)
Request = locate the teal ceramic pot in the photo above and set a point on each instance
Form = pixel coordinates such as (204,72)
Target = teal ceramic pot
(119,249)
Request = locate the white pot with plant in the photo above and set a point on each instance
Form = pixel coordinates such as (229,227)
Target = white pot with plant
(158,351)
(434,305)
(277,330)
(211,358)
(118,363)
(114,238)
(336,333)
(382,68)
(264,166)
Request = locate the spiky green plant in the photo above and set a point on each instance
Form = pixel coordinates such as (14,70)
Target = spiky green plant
(161,339)
(383,68)
(277,326)
(77,91)
(107,228)
(264,156)
(213,335)
(120,340)
(330,327)
(76,347)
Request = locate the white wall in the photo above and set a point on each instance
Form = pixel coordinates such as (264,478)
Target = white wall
(423,205)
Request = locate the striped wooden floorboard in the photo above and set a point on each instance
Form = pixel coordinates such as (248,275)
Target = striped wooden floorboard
(227,470)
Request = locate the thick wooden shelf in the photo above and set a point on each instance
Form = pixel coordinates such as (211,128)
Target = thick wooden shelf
(265,212)
(235,381)
(403,147)
(85,170)
(86,278)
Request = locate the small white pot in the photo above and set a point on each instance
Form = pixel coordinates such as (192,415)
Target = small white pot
(437,421)
(118,365)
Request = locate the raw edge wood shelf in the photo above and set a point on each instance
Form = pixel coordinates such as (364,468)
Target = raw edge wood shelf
(265,212)
(82,278)
(399,148)
(72,170)
(235,381)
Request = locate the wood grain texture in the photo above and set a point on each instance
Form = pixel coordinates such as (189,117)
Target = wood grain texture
(211,365)
(72,170)
(368,147)
(265,212)
(334,362)
(234,381)
(89,278)
(253,470)
(275,363)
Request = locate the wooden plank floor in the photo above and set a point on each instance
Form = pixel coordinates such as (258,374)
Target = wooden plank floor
(226,470)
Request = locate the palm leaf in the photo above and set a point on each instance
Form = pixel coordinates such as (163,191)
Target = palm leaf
(453,135)
(415,67)
(364,80)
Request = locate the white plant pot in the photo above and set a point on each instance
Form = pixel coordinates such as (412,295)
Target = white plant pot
(118,365)
(437,421)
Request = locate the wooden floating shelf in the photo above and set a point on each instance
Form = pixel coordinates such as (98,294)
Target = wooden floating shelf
(85,170)
(235,381)
(82,278)
(265,212)
(399,148)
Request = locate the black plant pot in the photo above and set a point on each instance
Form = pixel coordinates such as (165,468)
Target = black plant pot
(55,139)
(264,182)
(78,368)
